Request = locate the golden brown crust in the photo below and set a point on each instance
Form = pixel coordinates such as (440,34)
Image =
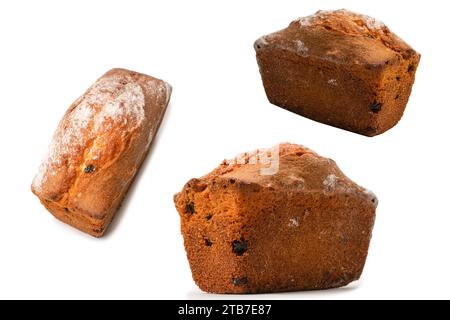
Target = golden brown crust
(339,68)
(98,148)
(305,227)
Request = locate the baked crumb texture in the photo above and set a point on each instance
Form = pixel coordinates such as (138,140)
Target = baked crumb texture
(98,148)
(340,68)
(305,227)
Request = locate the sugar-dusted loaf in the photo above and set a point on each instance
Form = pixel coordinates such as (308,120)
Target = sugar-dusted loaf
(340,68)
(98,148)
(294,222)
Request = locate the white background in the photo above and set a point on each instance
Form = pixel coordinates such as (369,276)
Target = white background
(51,51)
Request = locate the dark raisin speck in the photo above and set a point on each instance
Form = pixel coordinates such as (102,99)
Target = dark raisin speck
(98,230)
(208,216)
(208,243)
(375,107)
(232,181)
(397,78)
(89,169)
(240,281)
(239,246)
(410,68)
(190,208)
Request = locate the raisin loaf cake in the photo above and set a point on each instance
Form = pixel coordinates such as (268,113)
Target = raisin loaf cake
(340,68)
(291,222)
(98,148)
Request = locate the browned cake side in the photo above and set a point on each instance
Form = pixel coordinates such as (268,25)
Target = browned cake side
(305,226)
(98,148)
(340,68)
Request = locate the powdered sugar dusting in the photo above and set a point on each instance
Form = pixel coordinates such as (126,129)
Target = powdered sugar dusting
(268,159)
(301,48)
(260,43)
(128,106)
(109,100)
(306,21)
(330,181)
(293,222)
(372,197)
(332,82)
(168,91)
(371,23)
(314,18)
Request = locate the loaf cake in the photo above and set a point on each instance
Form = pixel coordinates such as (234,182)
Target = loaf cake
(283,219)
(340,68)
(98,148)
